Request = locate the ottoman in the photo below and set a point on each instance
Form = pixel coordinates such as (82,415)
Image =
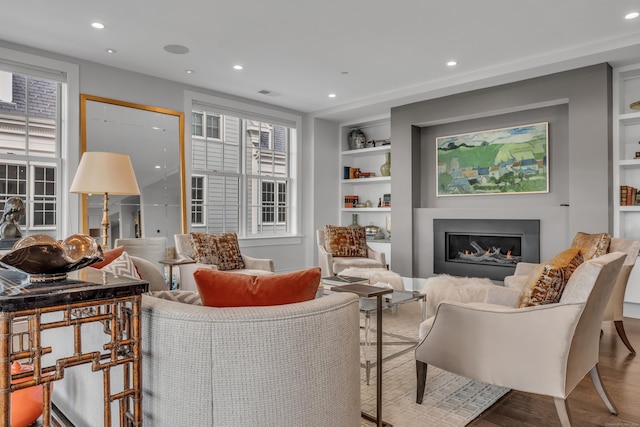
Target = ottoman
(459,289)
(376,275)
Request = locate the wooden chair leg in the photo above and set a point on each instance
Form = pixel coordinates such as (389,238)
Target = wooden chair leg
(597,382)
(623,336)
(421,374)
(563,411)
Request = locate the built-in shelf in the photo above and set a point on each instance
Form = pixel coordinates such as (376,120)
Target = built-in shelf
(364,181)
(365,210)
(367,151)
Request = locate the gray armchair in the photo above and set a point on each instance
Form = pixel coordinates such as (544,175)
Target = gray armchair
(544,349)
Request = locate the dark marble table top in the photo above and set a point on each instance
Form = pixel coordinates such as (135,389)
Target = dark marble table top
(87,284)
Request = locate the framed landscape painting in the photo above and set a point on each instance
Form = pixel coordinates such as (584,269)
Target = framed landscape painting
(500,161)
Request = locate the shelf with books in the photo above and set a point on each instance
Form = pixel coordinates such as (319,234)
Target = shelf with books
(374,188)
(626,163)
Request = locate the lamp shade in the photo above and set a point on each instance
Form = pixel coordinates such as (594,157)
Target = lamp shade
(100,172)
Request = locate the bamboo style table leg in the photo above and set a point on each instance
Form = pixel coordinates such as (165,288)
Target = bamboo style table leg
(5,370)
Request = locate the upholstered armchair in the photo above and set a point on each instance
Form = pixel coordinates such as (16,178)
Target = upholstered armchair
(543,349)
(150,248)
(332,264)
(614,309)
(185,251)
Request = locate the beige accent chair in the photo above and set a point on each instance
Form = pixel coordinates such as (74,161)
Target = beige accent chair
(614,309)
(284,365)
(149,273)
(150,248)
(544,349)
(331,265)
(184,251)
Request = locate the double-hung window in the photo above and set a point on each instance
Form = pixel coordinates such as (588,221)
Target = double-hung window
(243,172)
(30,160)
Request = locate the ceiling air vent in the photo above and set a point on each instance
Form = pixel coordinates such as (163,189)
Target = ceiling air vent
(269,92)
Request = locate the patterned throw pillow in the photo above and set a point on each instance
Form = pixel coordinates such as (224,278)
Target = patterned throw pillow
(185,297)
(345,241)
(546,283)
(221,250)
(122,266)
(592,245)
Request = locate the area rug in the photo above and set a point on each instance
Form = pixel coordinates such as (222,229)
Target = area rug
(449,401)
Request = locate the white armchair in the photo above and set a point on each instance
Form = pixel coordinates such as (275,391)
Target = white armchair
(184,251)
(543,349)
(332,265)
(614,309)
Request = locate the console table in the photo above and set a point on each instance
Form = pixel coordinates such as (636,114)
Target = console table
(86,296)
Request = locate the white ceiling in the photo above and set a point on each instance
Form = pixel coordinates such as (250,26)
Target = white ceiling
(393,52)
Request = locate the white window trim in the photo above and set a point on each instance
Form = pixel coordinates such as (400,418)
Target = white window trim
(295,155)
(6,87)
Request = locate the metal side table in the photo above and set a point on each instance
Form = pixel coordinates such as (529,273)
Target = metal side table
(368,291)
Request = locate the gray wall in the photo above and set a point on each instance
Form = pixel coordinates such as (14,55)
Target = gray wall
(577,105)
(110,82)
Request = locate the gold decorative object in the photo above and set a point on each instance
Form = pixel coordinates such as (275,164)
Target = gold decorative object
(635,105)
(44,259)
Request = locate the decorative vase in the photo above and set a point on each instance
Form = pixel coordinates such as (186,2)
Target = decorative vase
(357,139)
(354,220)
(385,169)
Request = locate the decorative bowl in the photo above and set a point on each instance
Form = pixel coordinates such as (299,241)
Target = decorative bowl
(44,259)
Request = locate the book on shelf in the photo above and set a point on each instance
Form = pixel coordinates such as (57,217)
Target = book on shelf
(629,196)
(350,201)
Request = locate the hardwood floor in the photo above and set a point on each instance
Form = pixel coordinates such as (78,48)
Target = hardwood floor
(620,372)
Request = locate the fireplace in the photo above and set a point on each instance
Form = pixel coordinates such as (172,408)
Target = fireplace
(484,247)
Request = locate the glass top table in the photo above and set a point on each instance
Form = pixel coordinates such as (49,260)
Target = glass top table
(391,301)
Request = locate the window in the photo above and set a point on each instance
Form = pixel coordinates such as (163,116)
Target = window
(242,173)
(30,149)
(197,200)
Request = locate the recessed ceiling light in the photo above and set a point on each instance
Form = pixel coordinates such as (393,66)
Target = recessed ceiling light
(157,166)
(452,63)
(238,67)
(332,95)
(97,25)
(177,49)
(189,71)
(110,50)
(632,15)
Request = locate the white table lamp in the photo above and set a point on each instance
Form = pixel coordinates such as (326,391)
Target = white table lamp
(107,173)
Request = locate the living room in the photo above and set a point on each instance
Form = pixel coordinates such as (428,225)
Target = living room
(573,96)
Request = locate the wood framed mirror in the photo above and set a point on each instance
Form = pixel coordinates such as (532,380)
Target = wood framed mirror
(153,137)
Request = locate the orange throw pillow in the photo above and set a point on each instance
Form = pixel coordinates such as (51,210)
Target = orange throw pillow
(109,256)
(224,289)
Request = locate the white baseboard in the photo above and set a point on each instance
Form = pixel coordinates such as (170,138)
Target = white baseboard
(632,309)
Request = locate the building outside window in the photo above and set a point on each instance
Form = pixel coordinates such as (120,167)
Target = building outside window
(244,169)
(30,117)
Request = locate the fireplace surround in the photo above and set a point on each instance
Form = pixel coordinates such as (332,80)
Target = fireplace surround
(484,247)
